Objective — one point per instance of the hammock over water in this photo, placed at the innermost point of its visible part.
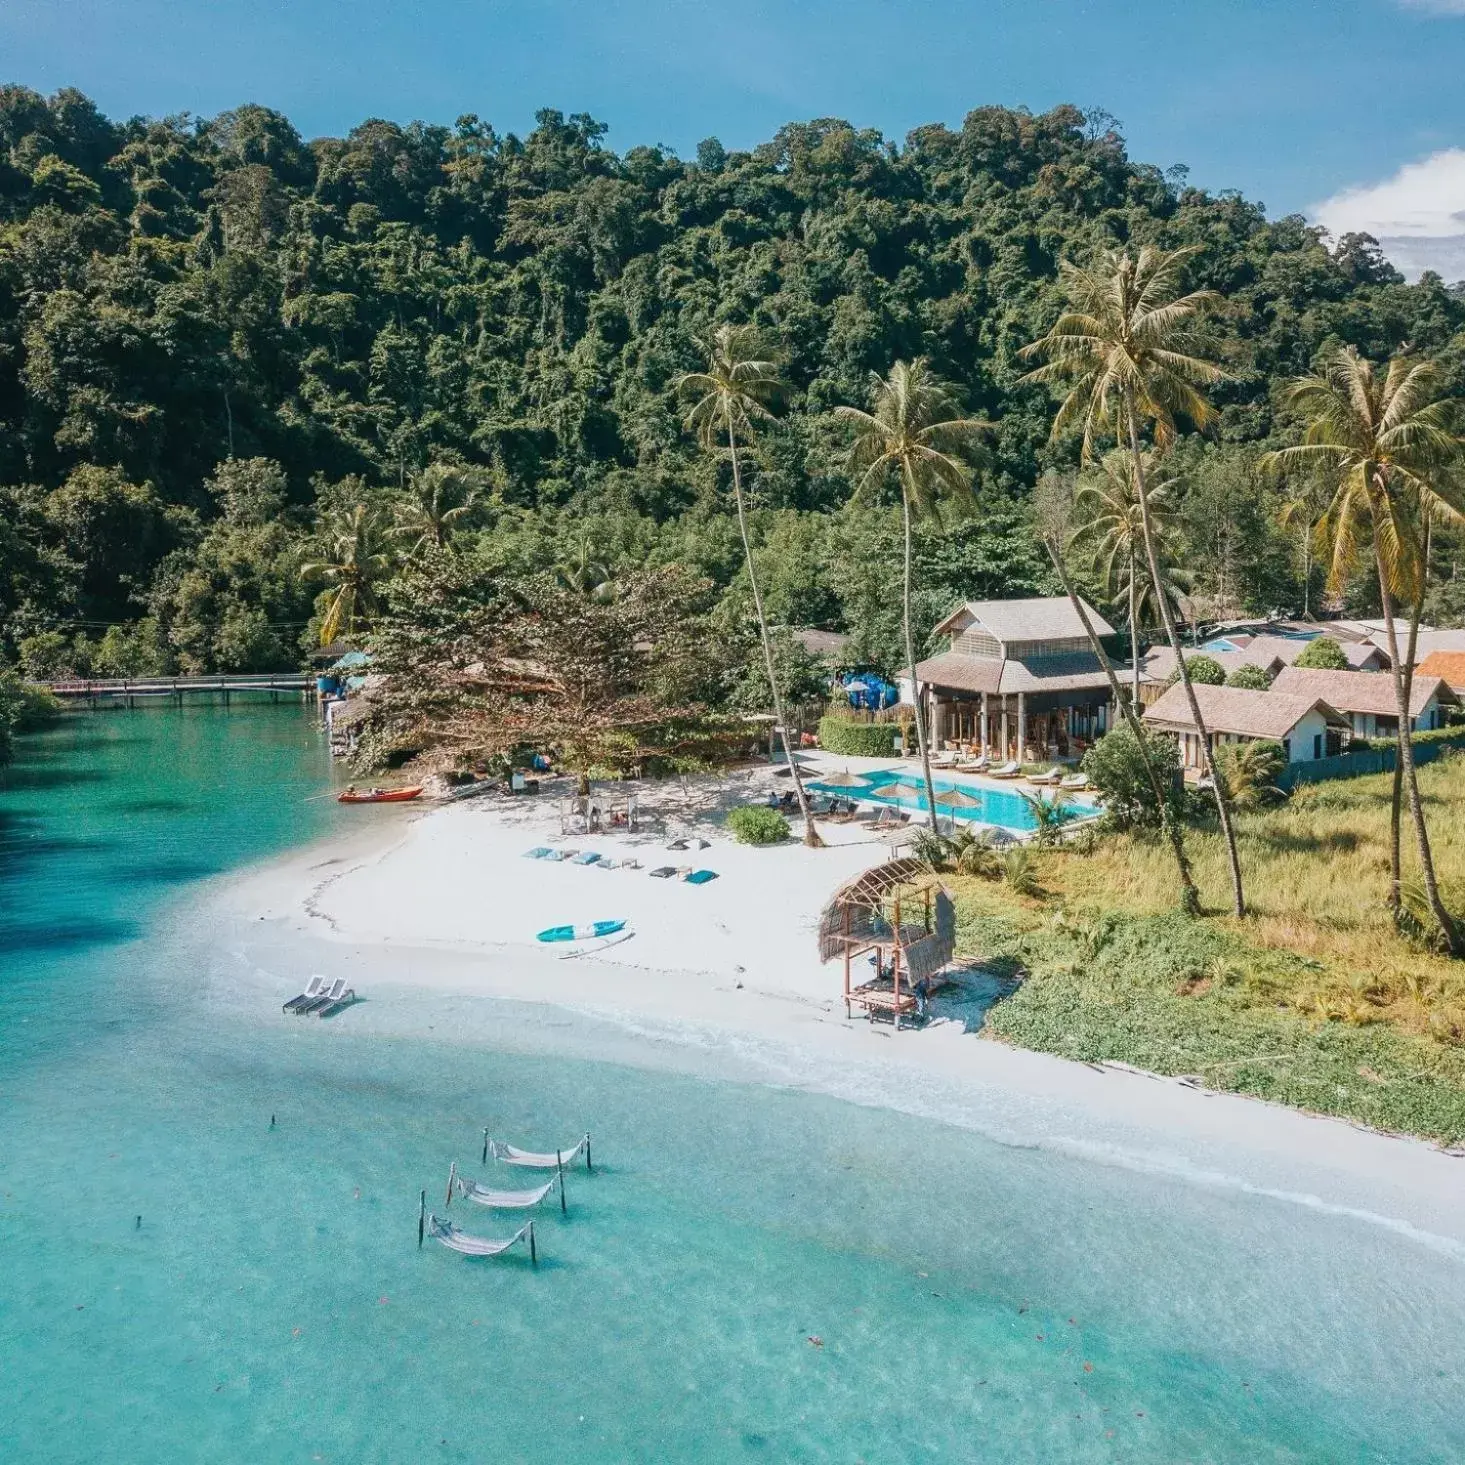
(503, 1200)
(534, 1160)
(460, 1241)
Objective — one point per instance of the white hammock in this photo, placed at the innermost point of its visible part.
(533, 1160)
(503, 1200)
(456, 1240)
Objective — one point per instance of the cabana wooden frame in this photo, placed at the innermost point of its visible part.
(874, 913)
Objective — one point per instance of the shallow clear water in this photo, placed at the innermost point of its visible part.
(1001, 807)
(971, 1300)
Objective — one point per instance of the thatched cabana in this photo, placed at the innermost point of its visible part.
(901, 913)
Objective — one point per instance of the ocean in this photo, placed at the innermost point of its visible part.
(208, 1211)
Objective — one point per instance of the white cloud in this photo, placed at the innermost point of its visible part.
(1436, 7)
(1418, 215)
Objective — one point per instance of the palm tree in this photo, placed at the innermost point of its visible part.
(1053, 508)
(1112, 525)
(586, 575)
(354, 561)
(1391, 449)
(914, 433)
(1125, 349)
(442, 498)
(736, 391)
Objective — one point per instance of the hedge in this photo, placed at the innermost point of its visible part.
(754, 824)
(1448, 737)
(857, 739)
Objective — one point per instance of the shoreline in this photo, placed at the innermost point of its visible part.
(432, 915)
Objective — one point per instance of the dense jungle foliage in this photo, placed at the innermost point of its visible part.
(218, 340)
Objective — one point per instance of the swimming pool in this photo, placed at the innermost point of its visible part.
(1003, 807)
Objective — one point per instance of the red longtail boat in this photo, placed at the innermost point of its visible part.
(380, 795)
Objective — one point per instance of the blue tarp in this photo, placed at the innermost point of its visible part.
(868, 692)
(351, 661)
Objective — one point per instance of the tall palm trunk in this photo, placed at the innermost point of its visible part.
(1189, 895)
(1396, 863)
(811, 833)
(1133, 623)
(910, 662)
(1223, 804)
(1406, 760)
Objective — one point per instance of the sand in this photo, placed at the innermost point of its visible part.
(443, 904)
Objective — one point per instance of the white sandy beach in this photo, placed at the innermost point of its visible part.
(443, 904)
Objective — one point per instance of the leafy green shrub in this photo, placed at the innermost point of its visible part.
(1116, 768)
(1018, 871)
(1250, 678)
(1204, 670)
(968, 852)
(21, 707)
(757, 825)
(1447, 737)
(852, 739)
(1249, 771)
(1324, 654)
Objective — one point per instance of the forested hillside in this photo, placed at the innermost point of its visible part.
(214, 333)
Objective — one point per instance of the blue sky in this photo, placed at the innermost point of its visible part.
(1308, 105)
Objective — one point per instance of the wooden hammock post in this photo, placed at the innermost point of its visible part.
(845, 916)
(421, 1219)
(895, 968)
(533, 1255)
(452, 1176)
(485, 1144)
(560, 1166)
(588, 1165)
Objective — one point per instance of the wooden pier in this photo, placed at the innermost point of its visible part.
(129, 691)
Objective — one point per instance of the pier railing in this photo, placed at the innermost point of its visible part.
(128, 688)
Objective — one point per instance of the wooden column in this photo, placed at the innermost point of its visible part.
(985, 738)
(1005, 744)
(1022, 728)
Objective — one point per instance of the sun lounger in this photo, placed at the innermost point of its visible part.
(559, 856)
(699, 877)
(334, 1003)
(1046, 780)
(663, 872)
(314, 988)
(539, 852)
(978, 765)
(1008, 770)
(335, 993)
(588, 858)
(630, 864)
(607, 864)
(1075, 781)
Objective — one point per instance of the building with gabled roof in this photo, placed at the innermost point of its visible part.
(1018, 679)
(1307, 727)
(1368, 699)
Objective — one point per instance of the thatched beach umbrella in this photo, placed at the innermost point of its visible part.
(954, 798)
(845, 780)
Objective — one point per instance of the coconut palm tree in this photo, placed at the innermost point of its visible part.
(737, 391)
(1053, 516)
(442, 497)
(914, 434)
(586, 575)
(354, 561)
(1389, 445)
(1126, 351)
(1111, 526)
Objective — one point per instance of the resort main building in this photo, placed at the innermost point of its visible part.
(1018, 681)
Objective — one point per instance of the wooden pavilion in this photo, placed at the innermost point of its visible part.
(900, 913)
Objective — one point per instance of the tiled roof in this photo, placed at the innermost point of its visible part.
(1076, 671)
(1447, 664)
(1040, 618)
(1361, 691)
(1236, 710)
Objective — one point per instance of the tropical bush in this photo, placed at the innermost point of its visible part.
(1324, 654)
(1251, 678)
(852, 739)
(1019, 872)
(1116, 768)
(1250, 771)
(1204, 670)
(21, 707)
(757, 825)
(966, 852)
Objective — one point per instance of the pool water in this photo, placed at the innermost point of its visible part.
(1005, 808)
(752, 1273)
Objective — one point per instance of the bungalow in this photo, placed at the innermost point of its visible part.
(1270, 653)
(1306, 727)
(1367, 699)
(1018, 679)
(1447, 664)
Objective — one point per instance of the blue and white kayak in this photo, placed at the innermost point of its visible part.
(582, 933)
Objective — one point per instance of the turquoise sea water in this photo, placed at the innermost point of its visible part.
(971, 1300)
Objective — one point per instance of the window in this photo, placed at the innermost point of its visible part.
(1286, 750)
(1317, 745)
